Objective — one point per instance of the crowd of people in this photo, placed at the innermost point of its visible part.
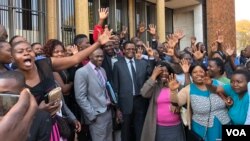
(151, 86)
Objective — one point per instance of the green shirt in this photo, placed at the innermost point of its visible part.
(224, 80)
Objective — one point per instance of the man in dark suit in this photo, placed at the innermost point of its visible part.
(110, 57)
(129, 76)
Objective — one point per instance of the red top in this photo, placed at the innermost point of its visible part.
(97, 30)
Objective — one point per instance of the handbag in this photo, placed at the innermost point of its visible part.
(183, 113)
(192, 136)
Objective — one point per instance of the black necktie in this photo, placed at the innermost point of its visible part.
(133, 75)
(133, 70)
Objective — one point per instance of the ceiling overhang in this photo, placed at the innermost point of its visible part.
(175, 4)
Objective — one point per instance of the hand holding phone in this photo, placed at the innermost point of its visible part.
(7, 101)
(19, 118)
(51, 107)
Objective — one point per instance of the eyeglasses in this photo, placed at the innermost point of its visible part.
(139, 46)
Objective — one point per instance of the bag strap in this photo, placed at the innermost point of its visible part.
(208, 116)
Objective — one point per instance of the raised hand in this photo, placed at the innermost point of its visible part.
(152, 29)
(124, 32)
(228, 49)
(193, 40)
(105, 37)
(179, 33)
(214, 47)
(173, 84)
(103, 13)
(74, 49)
(175, 39)
(220, 37)
(149, 50)
(156, 72)
(138, 54)
(169, 50)
(198, 55)
(142, 27)
(185, 65)
(172, 40)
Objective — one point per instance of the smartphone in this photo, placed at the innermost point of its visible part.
(55, 94)
(7, 101)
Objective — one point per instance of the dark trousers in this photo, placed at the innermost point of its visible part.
(133, 123)
(84, 135)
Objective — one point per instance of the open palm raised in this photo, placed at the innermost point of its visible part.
(173, 84)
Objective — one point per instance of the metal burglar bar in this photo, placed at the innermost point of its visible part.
(4, 14)
(68, 21)
(25, 18)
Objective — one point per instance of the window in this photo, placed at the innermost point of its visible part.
(68, 21)
(24, 17)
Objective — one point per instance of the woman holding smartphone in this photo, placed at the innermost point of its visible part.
(55, 48)
(39, 74)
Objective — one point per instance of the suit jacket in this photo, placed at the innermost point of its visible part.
(89, 93)
(123, 85)
(107, 66)
(41, 127)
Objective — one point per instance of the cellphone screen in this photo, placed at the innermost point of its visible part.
(7, 101)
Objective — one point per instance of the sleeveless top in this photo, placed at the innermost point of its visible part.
(206, 104)
(47, 82)
(65, 76)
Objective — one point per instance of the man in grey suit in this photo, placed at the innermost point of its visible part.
(91, 96)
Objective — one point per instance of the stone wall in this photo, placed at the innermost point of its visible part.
(221, 14)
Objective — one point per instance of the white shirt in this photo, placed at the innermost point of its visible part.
(130, 71)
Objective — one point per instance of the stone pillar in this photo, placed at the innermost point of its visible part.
(221, 14)
(131, 15)
(160, 12)
(82, 17)
(51, 19)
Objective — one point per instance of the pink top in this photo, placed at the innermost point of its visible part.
(164, 116)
